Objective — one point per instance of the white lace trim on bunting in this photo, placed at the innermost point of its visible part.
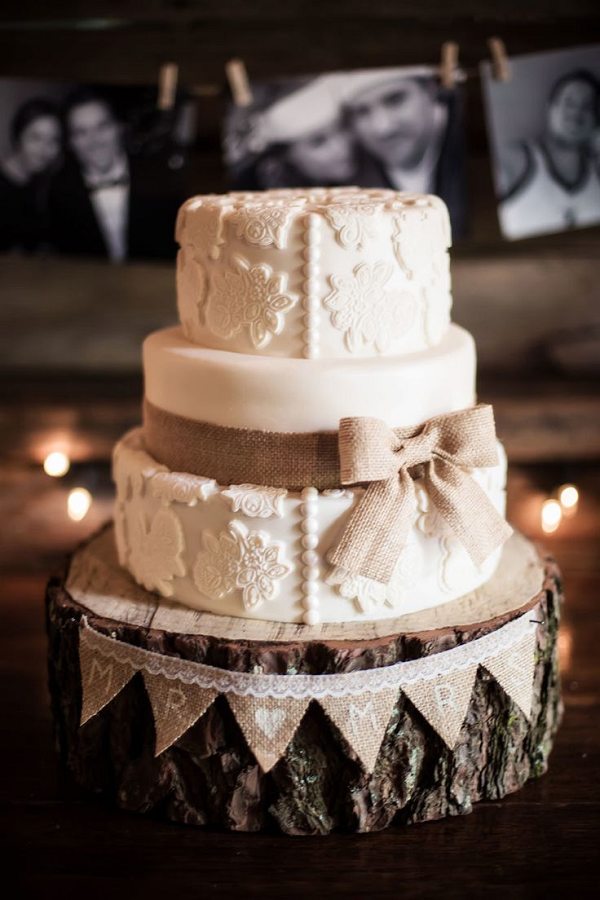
(476, 652)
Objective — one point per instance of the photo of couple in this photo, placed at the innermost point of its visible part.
(89, 171)
(392, 127)
(544, 127)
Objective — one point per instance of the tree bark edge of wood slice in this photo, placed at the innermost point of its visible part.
(209, 777)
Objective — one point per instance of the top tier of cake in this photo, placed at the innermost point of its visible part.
(314, 272)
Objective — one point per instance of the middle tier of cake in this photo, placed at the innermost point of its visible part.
(296, 395)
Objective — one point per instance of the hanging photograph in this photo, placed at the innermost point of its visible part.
(544, 129)
(91, 170)
(393, 127)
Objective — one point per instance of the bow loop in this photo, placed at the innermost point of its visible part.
(367, 449)
(444, 448)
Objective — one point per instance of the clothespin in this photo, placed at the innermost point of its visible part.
(448, 64)
(167, 86)
(237, 76)
(500, 64)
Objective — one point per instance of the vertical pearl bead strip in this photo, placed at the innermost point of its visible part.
(309, 526)
(310, 270)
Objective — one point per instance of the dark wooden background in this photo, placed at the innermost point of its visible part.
(520, 300)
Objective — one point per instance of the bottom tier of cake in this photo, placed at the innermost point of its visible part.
(249, 725)
(262, 552)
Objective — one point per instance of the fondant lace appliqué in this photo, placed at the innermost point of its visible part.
(251, 297)
(191, 290)
(255, 501)
(351, 222)
(368, 594)
(419, 246)
(155, 552)
(263, 225)
(239, 559)
(365, 311)
(181, 487)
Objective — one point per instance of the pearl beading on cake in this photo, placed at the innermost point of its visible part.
(309, 526)
(311, 267)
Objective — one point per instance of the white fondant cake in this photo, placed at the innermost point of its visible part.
(299, 309)
(314, 273)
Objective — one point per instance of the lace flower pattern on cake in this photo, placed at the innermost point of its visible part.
(155, 555)
(200, 223)
(263, 225)
(239, 559)
(365, 311)
(255, 500)
(350, 221)
(249, 296)
(181, 487)
(419, 248)
(132, 468)
(452, 554)
(191, 287)
(368, 594)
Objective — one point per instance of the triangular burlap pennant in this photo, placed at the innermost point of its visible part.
(101, 678)
(444, 701)
(268, 724)
(362, 720)
(514, 669)
(175, 707)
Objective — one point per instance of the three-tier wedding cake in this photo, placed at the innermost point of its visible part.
(309, 612)
(301, 310)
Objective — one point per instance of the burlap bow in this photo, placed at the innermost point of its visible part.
(437, 453)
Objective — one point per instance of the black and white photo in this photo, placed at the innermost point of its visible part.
(90, 170)
(544, 125)
(391, 127)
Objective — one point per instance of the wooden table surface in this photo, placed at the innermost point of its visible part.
(541, 842)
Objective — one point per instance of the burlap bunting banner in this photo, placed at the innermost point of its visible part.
(444, 701)
(513, 669)
(102, 678)
(363, 721)
(268, 724)
(269, 708)
(175, 707)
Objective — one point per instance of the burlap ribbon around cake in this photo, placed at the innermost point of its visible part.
(366, 452)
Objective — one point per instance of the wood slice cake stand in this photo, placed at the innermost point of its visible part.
(209, 776)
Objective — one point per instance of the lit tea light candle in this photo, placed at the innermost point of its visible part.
(78, 504)
(57, 464)
(551, 515)
(568, 497)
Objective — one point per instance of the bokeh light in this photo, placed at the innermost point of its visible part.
(551, 515)
(78, 503)
(56, 464)
(568, 497)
